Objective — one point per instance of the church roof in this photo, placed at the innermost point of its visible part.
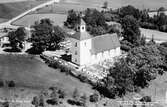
(81, 35)
(104, 42)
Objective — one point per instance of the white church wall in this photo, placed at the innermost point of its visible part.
(118, 51)
(85, 53)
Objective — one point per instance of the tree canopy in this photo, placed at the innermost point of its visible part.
(17, 38)
(130, 27)
(46, 36)
(141, 65)
(129, 10)
(73, 19)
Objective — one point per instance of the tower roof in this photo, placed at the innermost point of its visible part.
(82, 22)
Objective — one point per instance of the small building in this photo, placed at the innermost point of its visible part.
(4, 39)
(87, 49)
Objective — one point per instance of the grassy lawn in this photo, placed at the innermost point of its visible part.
(29, 72)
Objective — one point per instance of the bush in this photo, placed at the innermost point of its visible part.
(62, 93)
(73, 102)
(53, 101)
(146, 99)
(126, 46)
(11, 84)
(1, 83)
(94, 97)
(148, 25)
(83, 78)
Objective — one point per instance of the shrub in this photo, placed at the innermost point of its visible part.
(126, 46)
(35, 101)
(1, 83)
(53, 101)
(83, 78)
(146, 99)
(148, 25)
(62, 93)
(73, 102)
(94, 97)
(5, 104)
(11, 84)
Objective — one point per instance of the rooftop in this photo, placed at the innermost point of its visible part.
(104, 42)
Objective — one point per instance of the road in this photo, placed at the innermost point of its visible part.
(8, 24)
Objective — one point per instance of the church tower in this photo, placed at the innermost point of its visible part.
(81, 45)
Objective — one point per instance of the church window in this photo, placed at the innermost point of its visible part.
(83, 28)
(85, 43)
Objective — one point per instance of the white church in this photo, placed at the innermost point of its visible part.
(89, 50)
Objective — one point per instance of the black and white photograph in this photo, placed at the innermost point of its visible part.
(83, 53)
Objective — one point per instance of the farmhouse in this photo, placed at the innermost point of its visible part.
(88, 50)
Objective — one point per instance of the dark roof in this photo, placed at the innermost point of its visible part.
(81, 35)
(104, 42)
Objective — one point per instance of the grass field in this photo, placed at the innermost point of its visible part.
(29, 72)
(28, 20)
(10, 10)
(157, 35)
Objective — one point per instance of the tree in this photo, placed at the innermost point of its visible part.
(45, 36)
(41, 101)
(95, 21)
(148, 61)
(121, 79)
(35, 101)
(131, 31)
(17, 38)
(160, 10)
(141, 65)
(129, 10)
(94, 18)
(162, 20)
(72, 19)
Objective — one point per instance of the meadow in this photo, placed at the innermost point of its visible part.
(29, 71)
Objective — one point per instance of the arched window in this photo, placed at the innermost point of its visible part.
(76, 44)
